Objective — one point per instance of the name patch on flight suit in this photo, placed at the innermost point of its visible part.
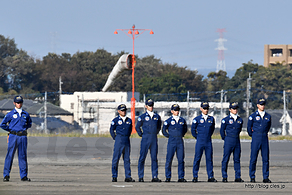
(239, 122)
(127, 122)
(155, 118)
(181, 123)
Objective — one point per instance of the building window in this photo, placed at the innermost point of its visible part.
(168, 113)
(290, 52)
(72, 105)
(183, 113)
(277, 52)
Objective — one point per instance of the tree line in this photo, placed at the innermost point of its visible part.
(88, 71)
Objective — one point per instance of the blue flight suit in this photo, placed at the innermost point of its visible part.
(229, 131)
(15, 123)
(258, 128)
(150, 129)
(120, 132)
(203, 130)
(175, 132)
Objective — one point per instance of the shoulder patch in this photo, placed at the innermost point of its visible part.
(223, 121)
(250, 118)
(165, 123)
(112, 123)
(139, 119)
(194, 121)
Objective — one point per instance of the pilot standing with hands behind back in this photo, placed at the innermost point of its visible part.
(150, 123)
(230, 129)
(203, 127)
(258, 126)
(120, 130)
(16, 122)
(174, 128)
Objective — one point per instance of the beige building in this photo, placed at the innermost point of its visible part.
(277, 53)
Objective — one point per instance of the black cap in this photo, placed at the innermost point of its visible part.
(262, 101)
(175, 107)
(18, 99)
(149, 102)
(205, 105)
(233, 105)
(122, 107)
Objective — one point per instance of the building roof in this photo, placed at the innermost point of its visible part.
(33, 107)
(7, 104)
(276, 116)
(55, 124)
(37, 109)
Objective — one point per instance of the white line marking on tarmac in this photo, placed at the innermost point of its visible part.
(122, 186)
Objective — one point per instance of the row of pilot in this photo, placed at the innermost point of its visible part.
(202, 128)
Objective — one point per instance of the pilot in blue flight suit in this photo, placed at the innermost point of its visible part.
(120, 130)
(203, 127)
(16, 122)
(258, 126)
(150, 123)
(174, 128)
(230, 129)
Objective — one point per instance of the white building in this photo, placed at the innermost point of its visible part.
(95, 110)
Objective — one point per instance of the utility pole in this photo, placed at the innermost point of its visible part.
(248, 87)
(82, 116)
(188, 108)
(97, 116)
(285, 114)
(45, 119)
(60, 89)
(144, 100)
(221, 102)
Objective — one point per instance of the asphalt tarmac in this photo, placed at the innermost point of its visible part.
(67, 165)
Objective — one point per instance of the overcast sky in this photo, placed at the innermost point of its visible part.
(184, 30)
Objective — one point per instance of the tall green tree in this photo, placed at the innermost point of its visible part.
(217, 80)
(21, 70)
(8, 48)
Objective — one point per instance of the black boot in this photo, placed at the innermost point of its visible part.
(6, 178)
(25, 179)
